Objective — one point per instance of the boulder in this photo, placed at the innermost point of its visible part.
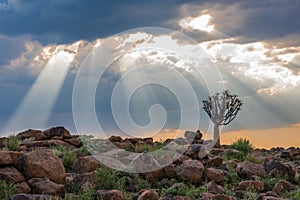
(215, 175)
(15, 156)
(115, 139)
(45, 143)
(191, 170)
(109, 195)
(57, 132)
(148, 141)
(42, 164)
(276, 168)
(251, 185)
(206, 196)
(46, 186)
(5, 158)
(148, 195)
(85, 164)
(28, 134)
(144, 162)
(11, 175)
(34, 197)
(283, 186)
(82, 181)
(23, 188)
(154, 176)
(215, 161)
(248, 169)
(74, 141)
(213, 188)
(170, 170)
(165, 160)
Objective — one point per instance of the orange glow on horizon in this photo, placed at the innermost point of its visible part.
(260, 138)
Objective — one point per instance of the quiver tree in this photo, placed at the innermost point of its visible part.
(221, 108)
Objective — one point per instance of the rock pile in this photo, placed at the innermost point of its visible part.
(37, 173)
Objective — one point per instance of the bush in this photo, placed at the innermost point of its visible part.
(6, 191)
(12, 143)
(69, 157)
(242, 145)
(107, 179)
(183, 189)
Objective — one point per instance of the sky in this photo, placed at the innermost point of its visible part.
(251, 48)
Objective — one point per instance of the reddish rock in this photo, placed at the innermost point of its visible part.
(283, 186)
(248, 169)
(165, 160)
(276, 168)
(206, 196)
(181, 159)
(11, 175)
(251, 185)
(216, 161)
(170, 170)
(148, 141)
(215, 175)
(45, 186)
(34, 197)
(86, 164)
(148, 195)
(213, 188)
(15, 156)
(154, 176)
(40, 136)
(82, 181)
(109, 195)
(5, 158)
(145, 163)
(115, 139)
(191, 170)
(74, 141)
(42, 164)
(57, 131)
(23, 188)
(45, 143)
(28, 134)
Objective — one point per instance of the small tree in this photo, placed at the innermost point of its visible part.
(221, 108)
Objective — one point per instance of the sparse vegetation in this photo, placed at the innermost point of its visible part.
(183, 189)
(67, 155)
(243, 145)
(107, 179)
(12, 143)
(6, 190)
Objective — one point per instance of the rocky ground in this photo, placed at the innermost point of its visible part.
(53, 164)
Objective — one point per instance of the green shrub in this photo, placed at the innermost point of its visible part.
(270, 182)
(69, 157)
(243, 145)
(183, 189)
(12, 143)
(253, 159)
(143, 148)
(6, 191)
(107, 179)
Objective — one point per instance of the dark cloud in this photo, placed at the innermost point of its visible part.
(11, 48)
(66, 21)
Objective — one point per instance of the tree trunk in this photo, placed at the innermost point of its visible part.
(216, 134)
